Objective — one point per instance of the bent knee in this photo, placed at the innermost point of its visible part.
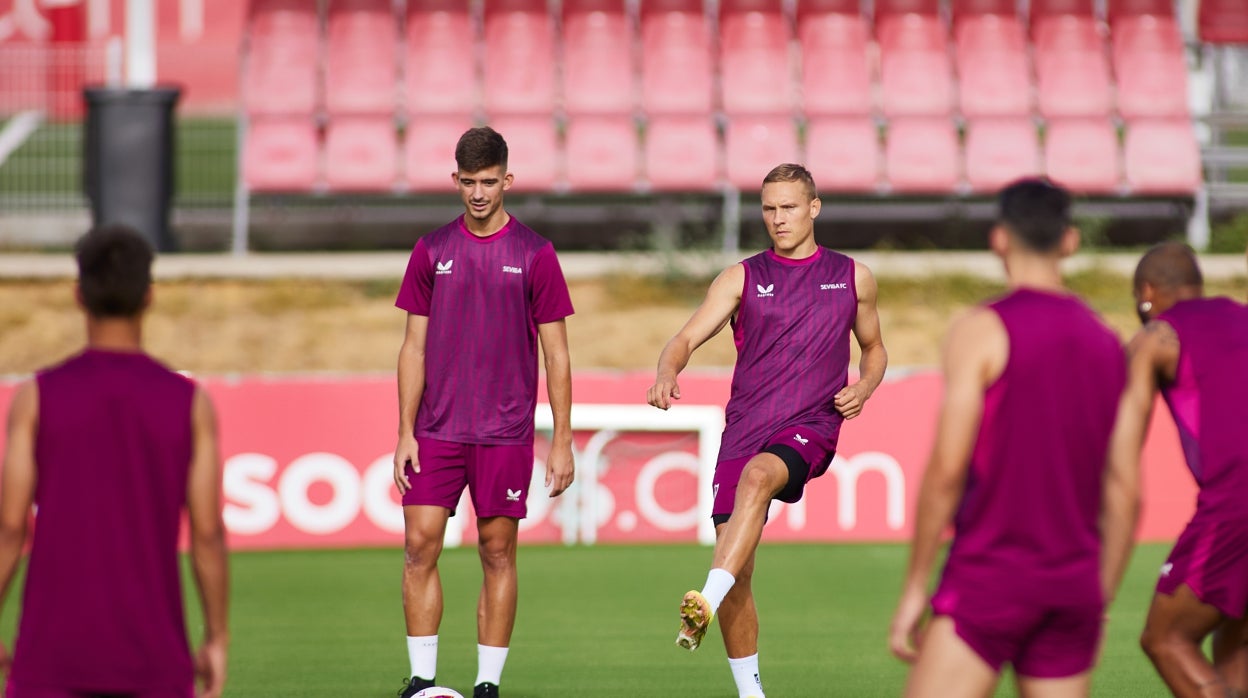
(497, 556)
(421, 551)
(762, 480)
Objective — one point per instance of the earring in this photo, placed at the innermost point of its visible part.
(1146, 306)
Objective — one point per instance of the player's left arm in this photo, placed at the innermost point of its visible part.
(560, 470)
(209, 559)
(17, 488)
(974, 355)
(851, 399)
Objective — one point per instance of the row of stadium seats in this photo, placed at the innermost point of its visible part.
(917, 155)
(906, 60)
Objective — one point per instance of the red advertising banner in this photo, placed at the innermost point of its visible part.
(308, 463)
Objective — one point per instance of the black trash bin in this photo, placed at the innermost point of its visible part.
(128, 174)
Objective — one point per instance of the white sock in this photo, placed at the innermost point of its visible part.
(745, 673)
(422, 652)
(718, 584)
(490, 662)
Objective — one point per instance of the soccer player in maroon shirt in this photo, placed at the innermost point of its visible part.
(480, 293)
(1194, 351)
(792, 309)
(1032, 385)
(113, 447)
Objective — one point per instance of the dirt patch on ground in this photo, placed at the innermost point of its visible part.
(213, 327)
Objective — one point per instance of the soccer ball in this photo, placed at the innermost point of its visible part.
(438, 692)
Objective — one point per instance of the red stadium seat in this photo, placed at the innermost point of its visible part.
(1152, 83)
(682, 153)
(597, 61)
(1223, 21)
(991, 54)
(1140, 33)
(921, 155)
(676, 72)
(361, 154)
(823, 7)
(281, 68)
(429, 151)
(1054, 8)
(602, 153)
(999, 151)
(1162, 157)
(440, 78)
(519, 58)
(893, 8)
(965, 9)
(836, 74)
(755, 72)
(1122, 9)
(533, 151)
(843, 154)
(1071, 71)
(755, 144)
(914, 66)
(361, 76)
(280, 154)
(1082, 155)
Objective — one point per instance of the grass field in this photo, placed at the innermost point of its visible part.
(600, 622)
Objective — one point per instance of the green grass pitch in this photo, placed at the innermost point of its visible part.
(599, 621)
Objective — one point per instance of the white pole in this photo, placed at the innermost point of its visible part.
(140, 44)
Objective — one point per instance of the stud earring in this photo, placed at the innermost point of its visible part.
(1146, 306)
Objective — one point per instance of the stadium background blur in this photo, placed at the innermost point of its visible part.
(639, 131)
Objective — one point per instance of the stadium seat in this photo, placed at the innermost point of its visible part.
(429, 150)
(1162, 157)
(682, 154)
(1223, 21)
(1082, 155)
(965, 9)
(999, 151)
(1152, 84)
(836, 72)
(533, 151)
(280, 154)
(995, 79)
(894, 8)
(602, 153)
(1056, 8)
(921, 155)
(755, 71)
(281, 68)
(1140, 33)
(914, 66)
(1072, 75)
(843, 154)
(361, 75)
(1120, 9)
(598, 75)
(823, 7)
(676, 72)
(755, 144)
(519, 58)
(361, 154)
(439, 79)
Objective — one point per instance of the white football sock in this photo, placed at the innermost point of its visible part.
(490, 662)
(745, 673)
(422, 652)
(718, 583)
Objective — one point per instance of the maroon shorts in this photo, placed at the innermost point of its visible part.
(16, 690)
(1211, 558)
(1040, 641)
(805, 452)
(497, 477)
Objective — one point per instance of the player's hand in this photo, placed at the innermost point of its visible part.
(663, 392)
(560, 469)
(903, 635)
(850, 399)
(406, 452)
(210, 668)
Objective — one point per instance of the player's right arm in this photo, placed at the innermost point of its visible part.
(722, 300)
(17, 488)
(411, 388)
(209, 558)
(974, 355)
(1154, 351)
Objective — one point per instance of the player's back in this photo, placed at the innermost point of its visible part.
(102, 609)
(1029, 516)
(1209, 398)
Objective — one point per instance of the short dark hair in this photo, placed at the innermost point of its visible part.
(480, 148)
(792, 172)
(1169, 265)
(1035, 210)
(114, 270)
